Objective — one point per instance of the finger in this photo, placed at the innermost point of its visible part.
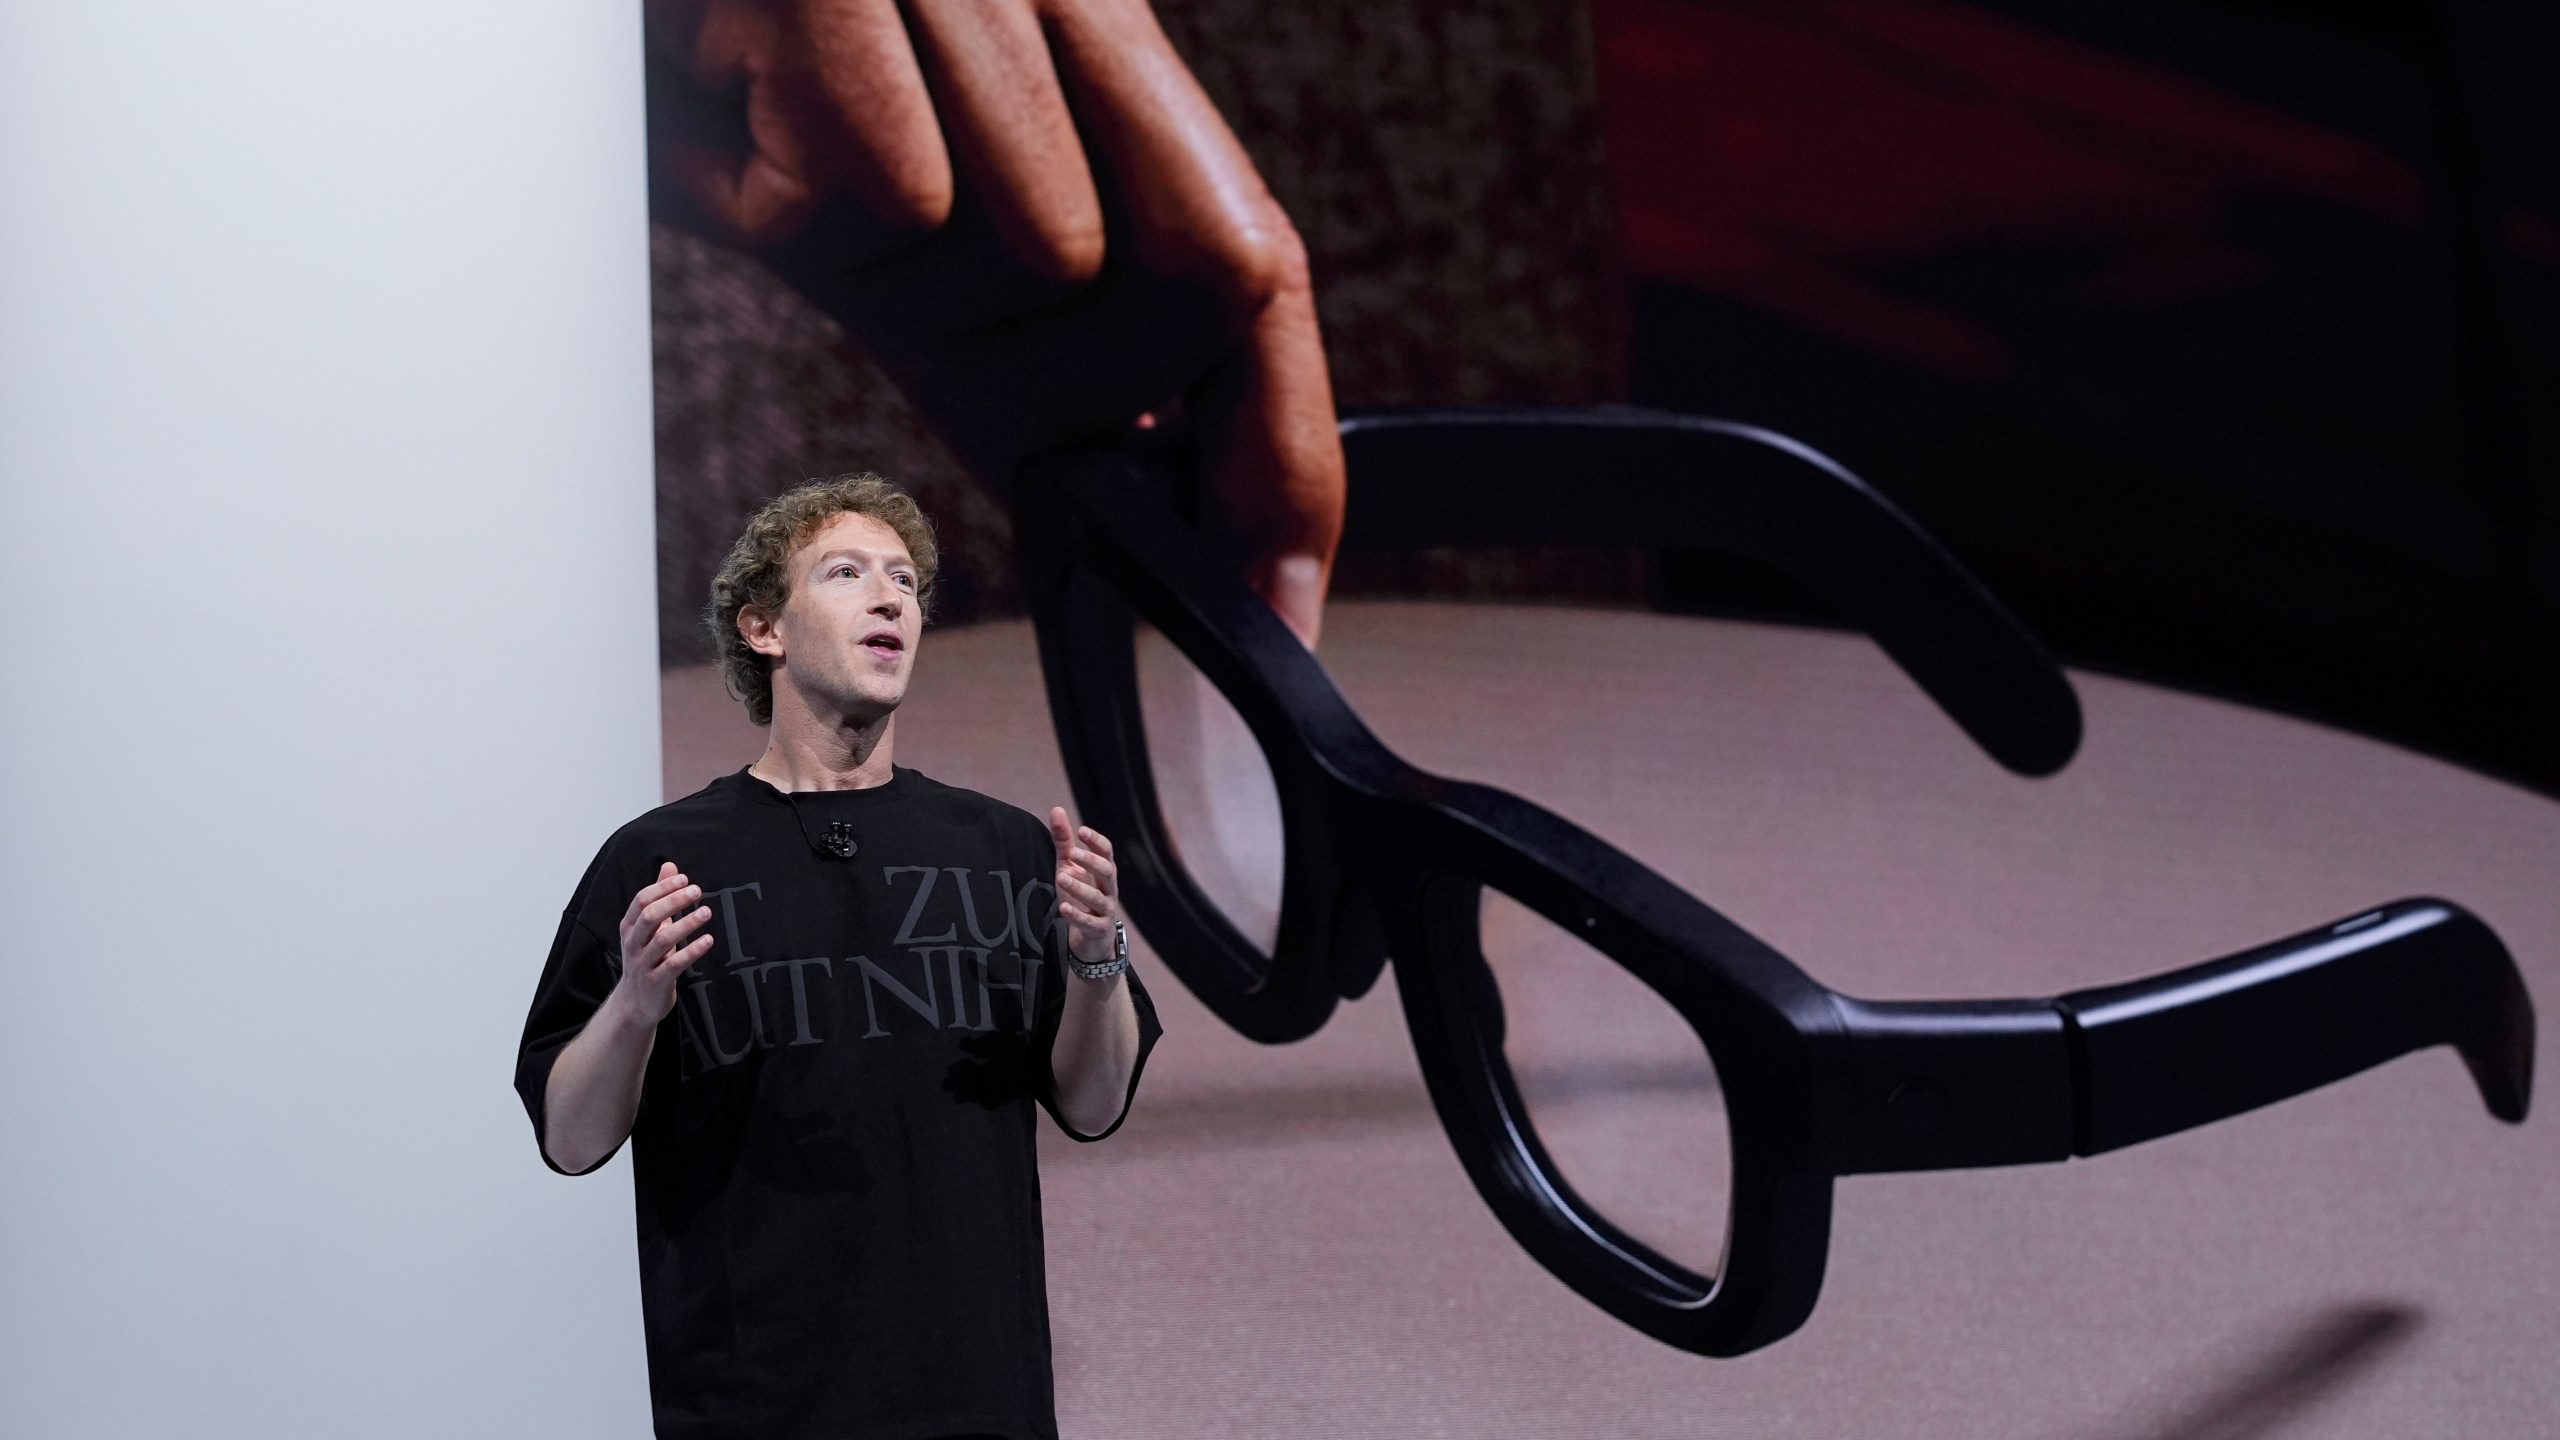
(1209, 250)
(671, 900)
(871, 106)
(1194, 202)
(680, 960)
(676, 928)
(1097, 868)
(642, 897)
(1013, 144)
(835, 103)
(665, 905)
(1069, 880)
(1084, 896)
(1273, 453)
(755, 184)
(1061, 833)
(669, 933)
(1101, 874)
(1094, 840)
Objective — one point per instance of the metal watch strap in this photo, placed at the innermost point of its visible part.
(1118, 962)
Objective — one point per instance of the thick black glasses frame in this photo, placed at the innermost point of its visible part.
(1383, 859)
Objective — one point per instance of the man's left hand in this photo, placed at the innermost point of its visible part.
(1088, 888)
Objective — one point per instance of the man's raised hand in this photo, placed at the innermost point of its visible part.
(655, 950)
(1088, 888)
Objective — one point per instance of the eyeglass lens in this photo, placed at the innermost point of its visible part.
(1618, 1087)
(1221, 809)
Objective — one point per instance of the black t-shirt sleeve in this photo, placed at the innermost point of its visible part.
(582, 969)
(1053, 1006)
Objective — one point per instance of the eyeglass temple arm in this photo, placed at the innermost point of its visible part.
(1627, 477)
(1944, 1085)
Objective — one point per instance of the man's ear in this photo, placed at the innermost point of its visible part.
(761, 631)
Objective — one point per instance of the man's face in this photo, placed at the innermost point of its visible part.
(846, 637)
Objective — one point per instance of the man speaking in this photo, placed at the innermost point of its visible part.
(821, 996)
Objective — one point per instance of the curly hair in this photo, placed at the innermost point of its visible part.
(758, 570)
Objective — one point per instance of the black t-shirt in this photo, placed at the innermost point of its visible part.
(839, 1207)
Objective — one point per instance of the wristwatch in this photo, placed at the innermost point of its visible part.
(1118, 962)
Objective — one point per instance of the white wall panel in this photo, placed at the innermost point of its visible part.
(326, 660)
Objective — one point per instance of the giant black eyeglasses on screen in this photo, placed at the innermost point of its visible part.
(1382, 862)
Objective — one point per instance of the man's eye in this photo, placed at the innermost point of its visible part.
(907, 580)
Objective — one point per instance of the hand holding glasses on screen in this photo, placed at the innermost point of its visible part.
(1679, 1174)
(1032, 216)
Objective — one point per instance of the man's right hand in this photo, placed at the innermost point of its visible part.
(655, 949)
(594, 1091)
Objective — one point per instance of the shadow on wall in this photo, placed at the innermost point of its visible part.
(2290, 1376)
